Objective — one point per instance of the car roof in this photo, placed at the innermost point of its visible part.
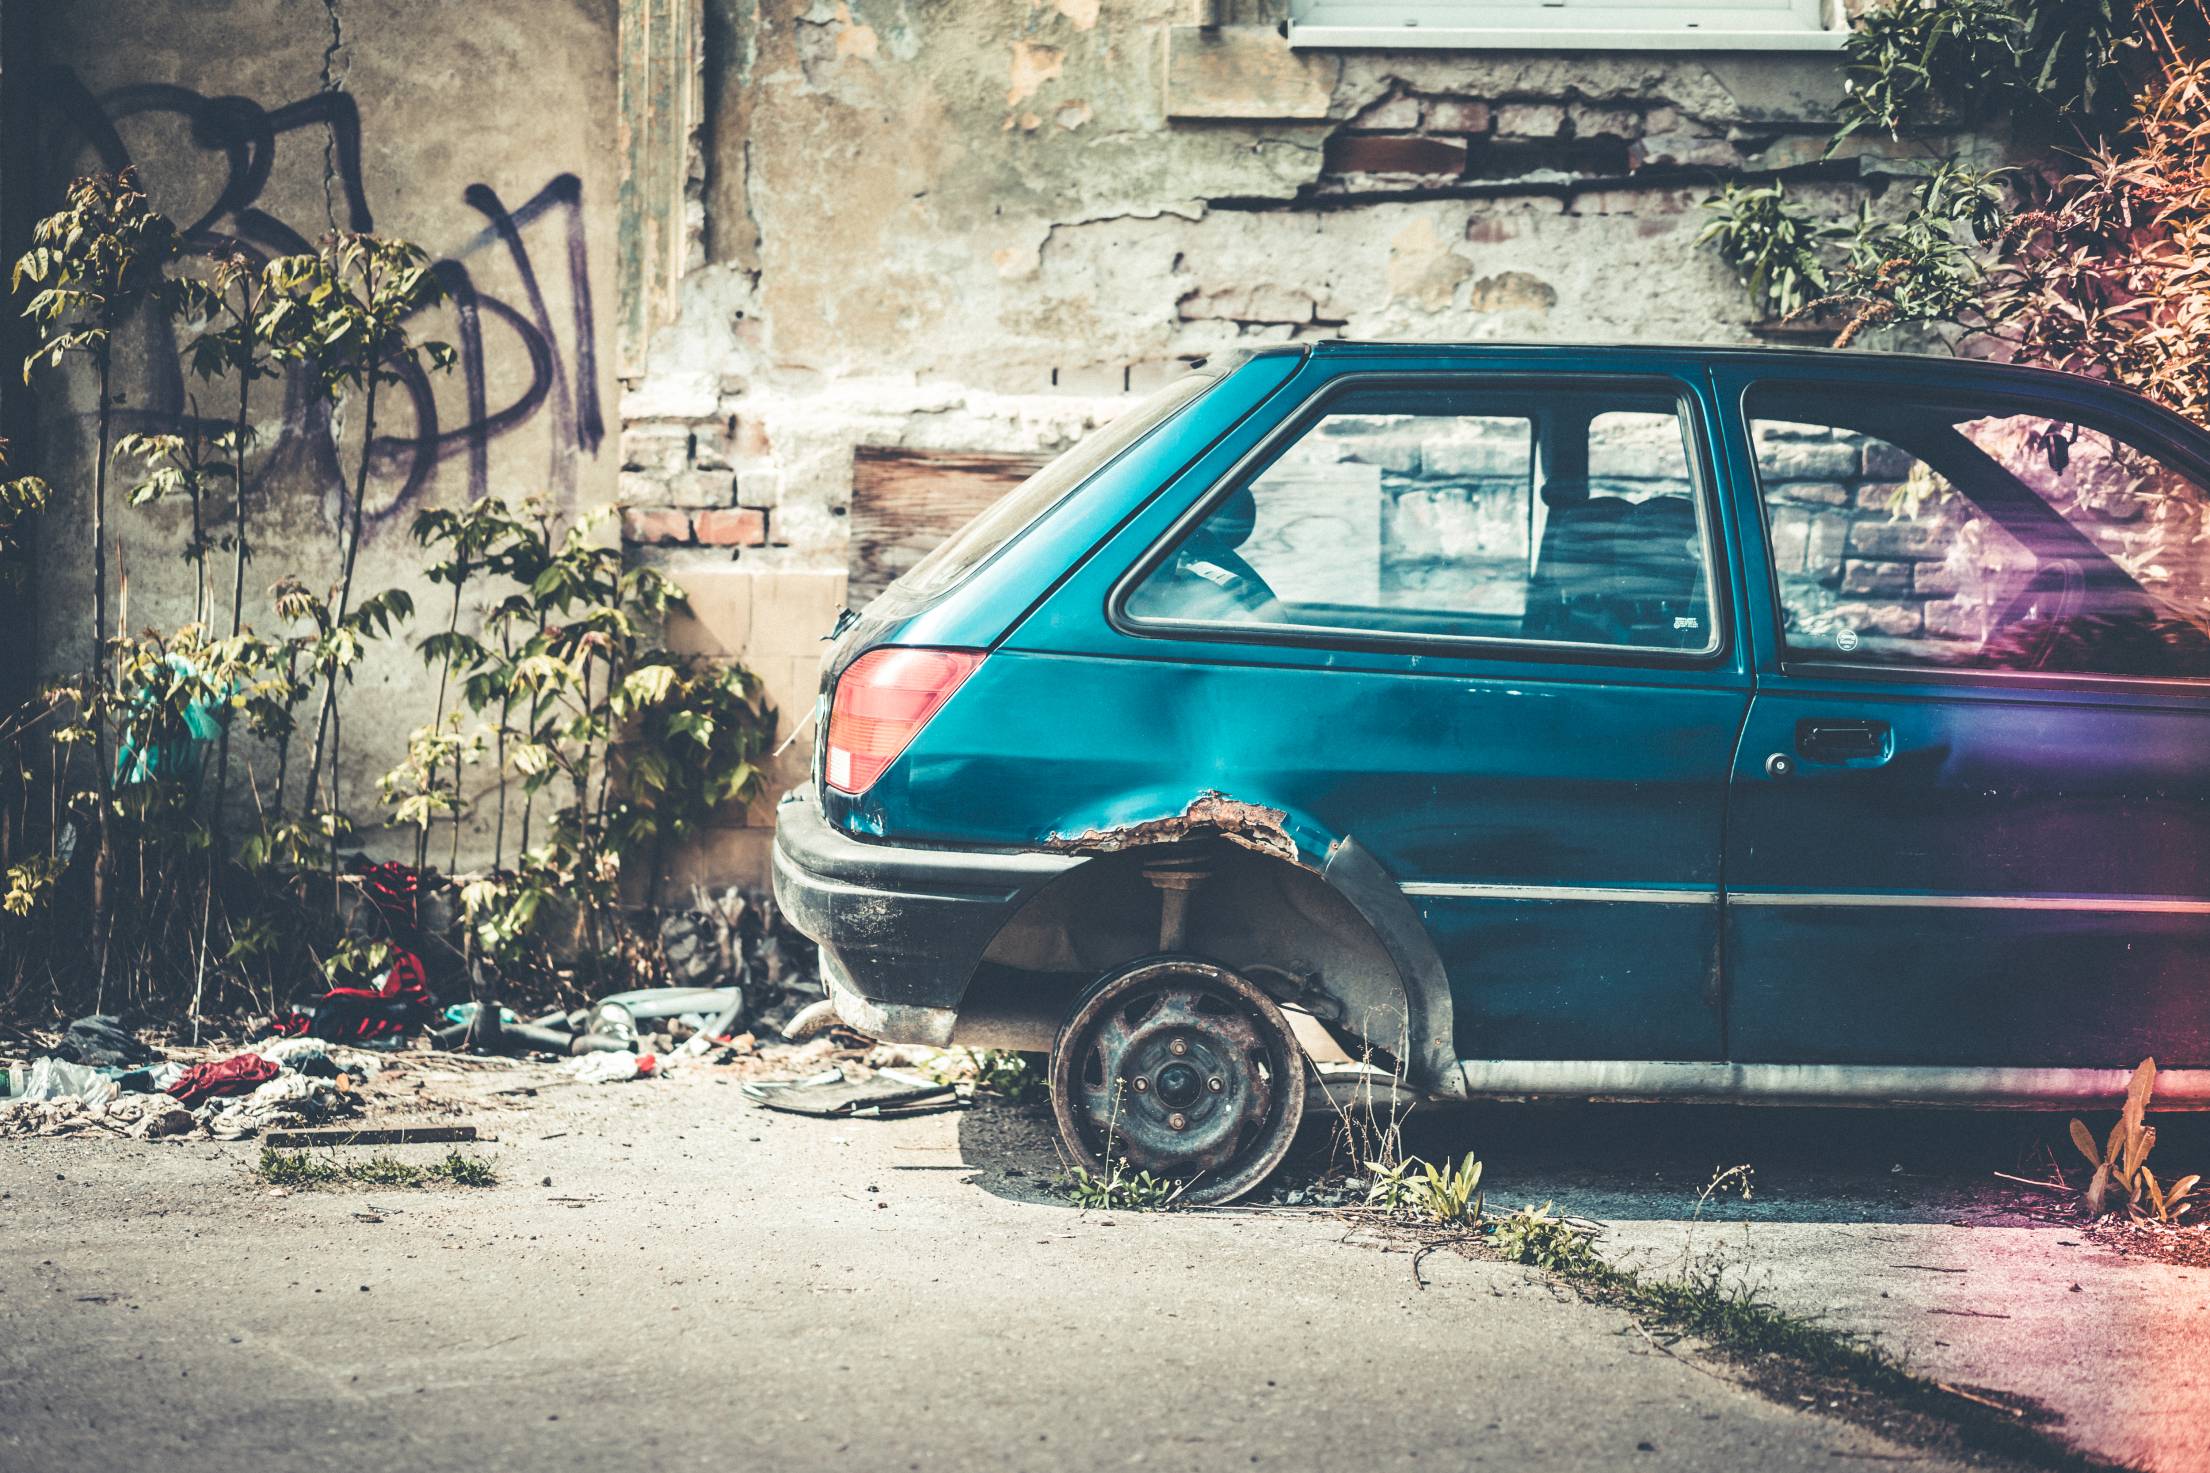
(1850, 361)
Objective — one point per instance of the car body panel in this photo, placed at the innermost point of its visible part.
(1588, 841)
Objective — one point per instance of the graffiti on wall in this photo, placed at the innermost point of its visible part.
(236, 140)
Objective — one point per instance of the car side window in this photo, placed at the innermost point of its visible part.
(1979, 536)
(1534, 516)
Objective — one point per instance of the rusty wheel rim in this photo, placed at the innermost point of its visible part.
(1183, 1069)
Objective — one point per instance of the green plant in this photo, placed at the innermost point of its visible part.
(20, 497)
(343, 313)
(1118, 1189)
(1445, 1196)
(627, 745)
(1912, 58)
(93, 263)
(1773, 244)
(1536, 1236)
(2121, 1162)
(299, 1169)
(1001, 1072)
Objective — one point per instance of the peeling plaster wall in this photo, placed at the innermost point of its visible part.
(473, 119)
(977, 227)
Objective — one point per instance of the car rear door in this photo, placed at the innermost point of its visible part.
(1970, 815)
(1469, 613)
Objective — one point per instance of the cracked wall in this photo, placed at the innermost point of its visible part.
(977, 228)
(479, 131)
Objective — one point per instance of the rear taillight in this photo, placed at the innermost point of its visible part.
(882, 701)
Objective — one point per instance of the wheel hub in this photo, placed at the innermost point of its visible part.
(1181, 1068)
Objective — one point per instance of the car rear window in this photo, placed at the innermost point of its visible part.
(967, 549)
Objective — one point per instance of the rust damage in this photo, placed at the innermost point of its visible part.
(1211, 814)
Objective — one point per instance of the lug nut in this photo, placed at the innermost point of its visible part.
(1176, 1121)
(1179, 1046)
(1215, 1085)
(1140, 1084)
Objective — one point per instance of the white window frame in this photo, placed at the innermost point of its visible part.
(1570, 25)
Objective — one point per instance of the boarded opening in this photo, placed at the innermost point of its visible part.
(904, 502)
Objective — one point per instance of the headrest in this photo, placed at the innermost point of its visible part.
(1234, 519)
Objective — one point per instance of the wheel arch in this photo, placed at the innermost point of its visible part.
(1314, 919)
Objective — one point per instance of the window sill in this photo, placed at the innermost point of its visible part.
(1471, 38)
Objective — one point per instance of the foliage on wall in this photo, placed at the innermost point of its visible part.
(2090, 258)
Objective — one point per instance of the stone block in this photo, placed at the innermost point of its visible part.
(717, 617)
(1861, 578)
(791, 611)
(1812, 493)
(700, 488)
(1595, 120)
(1806, 460)
(1390, 115)
(1885, 462)
(1927, 538)
(661, 449)
(1894, 619)
(1246, 72)
(1457, 115)
(1523, 120)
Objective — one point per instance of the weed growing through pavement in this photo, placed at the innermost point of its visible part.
(1015, 1077)
(1118, 1188)
(309, 1169)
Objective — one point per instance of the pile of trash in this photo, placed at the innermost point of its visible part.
(100, 1076)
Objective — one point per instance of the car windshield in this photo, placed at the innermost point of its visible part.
(1004, 519)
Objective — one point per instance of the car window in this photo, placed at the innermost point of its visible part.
(967, 549)
(1552, 517)
(1979, 537)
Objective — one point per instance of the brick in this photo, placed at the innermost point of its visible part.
(1373, 153)
(663, 449)
(655, 524)
(1592, 120)
(1457, 115)
(736, 526)
(1529, 120)
(700, 488)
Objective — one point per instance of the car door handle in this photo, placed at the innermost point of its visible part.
(1833, 739)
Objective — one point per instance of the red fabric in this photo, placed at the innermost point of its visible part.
(407, 981)
(395, 890)
(232, 1076)
(398, 1002)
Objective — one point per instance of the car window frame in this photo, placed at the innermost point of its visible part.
(1703, 476)
(2119, 419)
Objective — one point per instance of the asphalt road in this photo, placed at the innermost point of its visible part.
(666, 1277)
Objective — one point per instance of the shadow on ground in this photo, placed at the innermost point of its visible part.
(1652, 1162)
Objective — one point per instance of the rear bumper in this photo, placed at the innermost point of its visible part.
(901, 929)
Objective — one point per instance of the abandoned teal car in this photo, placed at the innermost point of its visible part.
(1633, 723)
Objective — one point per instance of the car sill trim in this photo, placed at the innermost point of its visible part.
(1977, 1086)
(1606, 894)
(1855, 899)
